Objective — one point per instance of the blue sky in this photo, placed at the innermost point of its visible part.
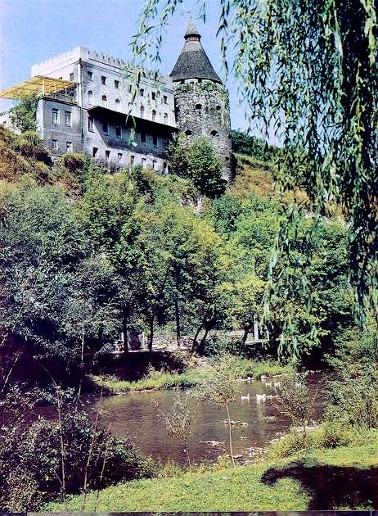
(34, 30)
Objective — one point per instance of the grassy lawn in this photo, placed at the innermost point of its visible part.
(340, 478)
(189, 378)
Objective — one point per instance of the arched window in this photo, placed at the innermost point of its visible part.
(90, 97)
(153, 115)
(165, 118)
(141, 111)
(104, 99)
(117, 103)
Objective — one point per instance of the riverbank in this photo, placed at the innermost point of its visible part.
(344, 477)
(190, 377)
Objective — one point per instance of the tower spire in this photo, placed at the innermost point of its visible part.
(193, 62)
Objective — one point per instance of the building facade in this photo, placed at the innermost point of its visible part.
(89, 103)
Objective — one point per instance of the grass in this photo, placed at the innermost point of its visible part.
(192, 377)
(236, 489)
(233, 489)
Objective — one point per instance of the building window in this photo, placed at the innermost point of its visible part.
(165, 99)
(117, 103)
(107, 155)
(90, 124)
(116, 84)
(153, 95)
(103, 79)
(120, 157)
(165, 118)
(90, 76)
(188, 132)
(214, 133)
(143, 137)
(55, 116)
(69, 147)
(153, 115)
(141, 92)
(132, 160)
(104, 99)
(72, 76)
(144, 162)
(67, 118)
(154, 139)
(141, 112)
(94, 152)
(105, 127)
(199, 81)
(90, 97)
(218, 108)
(130, 88)
(118, 131)
(199, 106)
(154, 164)
(55, 145)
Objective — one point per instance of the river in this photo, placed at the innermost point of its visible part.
(136, 415)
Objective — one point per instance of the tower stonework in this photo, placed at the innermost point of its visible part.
(201, 100)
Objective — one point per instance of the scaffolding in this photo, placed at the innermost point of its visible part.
(44, 87)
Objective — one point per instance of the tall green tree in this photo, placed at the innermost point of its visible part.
(308, 72)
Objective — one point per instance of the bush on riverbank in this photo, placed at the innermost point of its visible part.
(41, 460)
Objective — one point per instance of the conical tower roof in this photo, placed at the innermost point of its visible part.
(193, 62)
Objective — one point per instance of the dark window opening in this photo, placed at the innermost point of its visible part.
(107, 155)
(218, 107)
(214, 133)
(94, 152)
(199, 81)
(153, 95)
(154, 139)
(188, 132)
(116, 84)
(103, 79)
(198, 106)
(118, 131)
(105, 127)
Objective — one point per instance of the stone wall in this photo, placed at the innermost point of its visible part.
(202, 109)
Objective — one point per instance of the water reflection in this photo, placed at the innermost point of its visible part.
(136, 415)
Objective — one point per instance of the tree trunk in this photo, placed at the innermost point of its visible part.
(125, 329)
(151, 336)
(230, 435)
(195, 343)
(245, 337)
(178, 328)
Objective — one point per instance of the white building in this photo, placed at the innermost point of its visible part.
(89, 104)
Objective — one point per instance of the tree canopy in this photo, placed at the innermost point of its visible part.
(307, 71)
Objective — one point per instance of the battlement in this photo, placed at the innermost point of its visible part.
(73, 56)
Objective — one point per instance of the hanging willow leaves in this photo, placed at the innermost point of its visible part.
(308, 70)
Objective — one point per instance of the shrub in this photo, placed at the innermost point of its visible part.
(41, 459)
(354, 395)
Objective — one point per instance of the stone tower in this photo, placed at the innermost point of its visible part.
(201, 100)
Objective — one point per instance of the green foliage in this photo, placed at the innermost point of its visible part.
(42, 460)
(307, 72)
(243, 143)
(354, 395)
(198, 162)
(23, 115)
